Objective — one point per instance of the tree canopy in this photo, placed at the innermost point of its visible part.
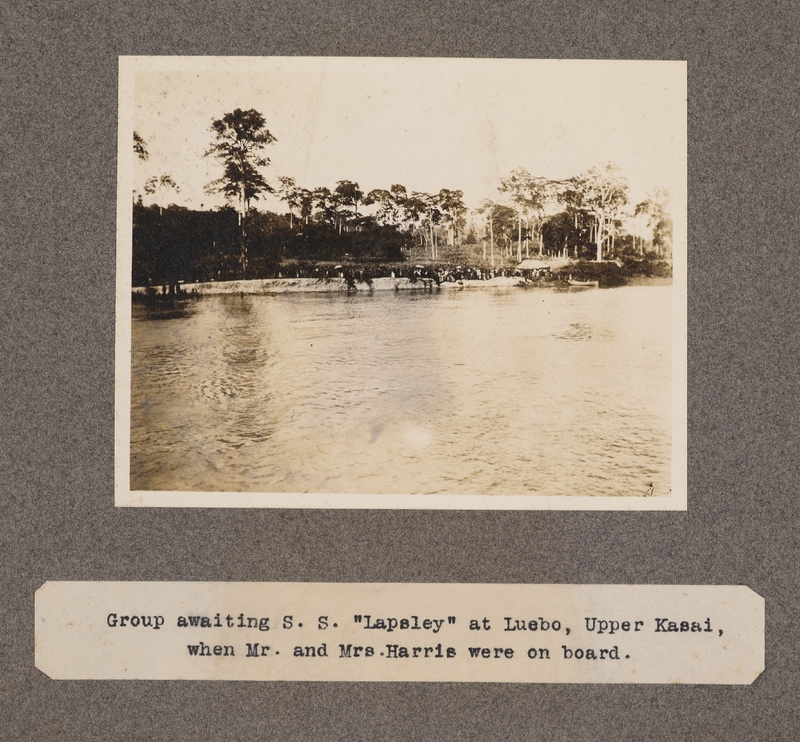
(140, 147)
(241, 139)
(576, 217)
(604, 192)
(159, 187)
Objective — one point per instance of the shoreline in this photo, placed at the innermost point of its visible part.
(648, 281)
(267, 286)
(262, 286)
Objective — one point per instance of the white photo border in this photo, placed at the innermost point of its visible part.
(677, 500)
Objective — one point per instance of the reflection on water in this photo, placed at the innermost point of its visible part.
(477, 391)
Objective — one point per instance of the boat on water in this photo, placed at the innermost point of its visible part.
(587, 284)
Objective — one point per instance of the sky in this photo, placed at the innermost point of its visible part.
(425, 123)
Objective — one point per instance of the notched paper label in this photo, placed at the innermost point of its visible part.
(400, 632)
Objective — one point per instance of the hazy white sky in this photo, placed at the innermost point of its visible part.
(425, 123)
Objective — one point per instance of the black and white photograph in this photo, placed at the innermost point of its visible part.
(401, 283)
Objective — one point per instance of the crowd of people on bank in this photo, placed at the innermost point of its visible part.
(438, 274)
(430, 275)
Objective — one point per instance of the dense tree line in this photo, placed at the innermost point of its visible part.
(583, 217)
(176, 244)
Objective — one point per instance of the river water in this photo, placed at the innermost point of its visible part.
(475, 391)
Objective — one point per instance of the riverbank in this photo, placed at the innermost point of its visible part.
(331, 285)
(649, 281)
(267, 286)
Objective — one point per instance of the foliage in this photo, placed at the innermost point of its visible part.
(579, 218)
(183, 245)
(608, 273)
(348, 195)
(616, 273)
(603, 192)
(656, 207)
(389, 208)
(140, 147)
(291, 194)
(241, 138)
(649, 265)
(570, 232)
(529, 194)
(160, 186)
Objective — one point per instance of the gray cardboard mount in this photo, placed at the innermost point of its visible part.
(58, 174)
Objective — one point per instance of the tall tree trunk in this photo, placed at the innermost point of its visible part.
(242, 231)
(519, 240)
(433, 246)
(528, 238)
(599, 236)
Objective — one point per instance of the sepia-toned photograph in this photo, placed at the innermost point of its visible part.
(401, 283)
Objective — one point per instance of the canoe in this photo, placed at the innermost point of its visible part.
(573, 282)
